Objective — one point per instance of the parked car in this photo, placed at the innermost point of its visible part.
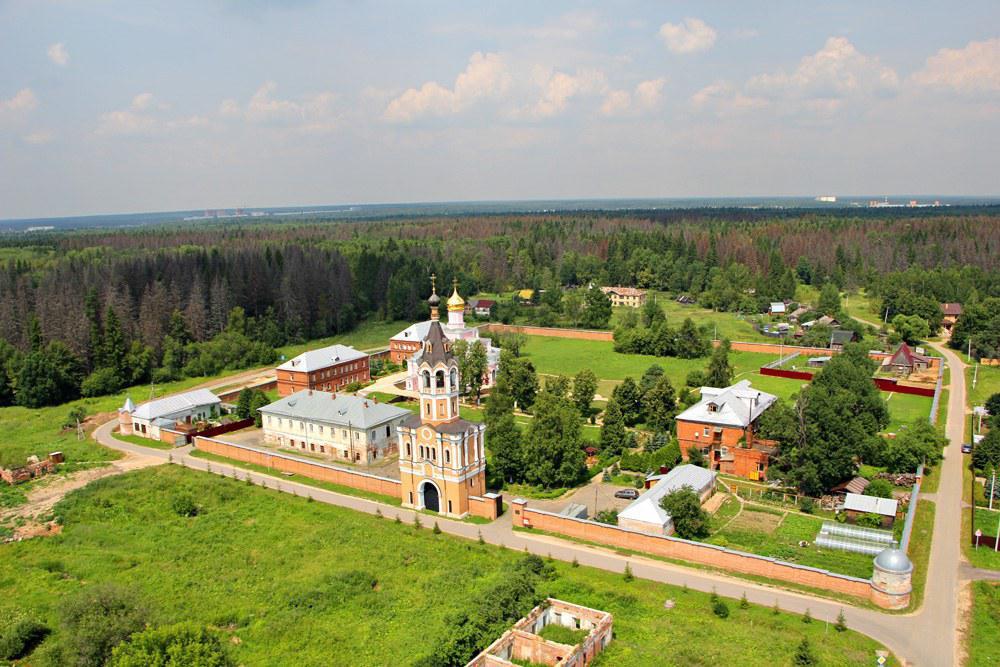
(966, 448)
(627, 494)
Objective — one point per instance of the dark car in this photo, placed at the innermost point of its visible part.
(966, 448)
(628, 494)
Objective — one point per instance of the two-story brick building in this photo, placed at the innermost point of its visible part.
(629, 297)
(326, 369)
(723, 426)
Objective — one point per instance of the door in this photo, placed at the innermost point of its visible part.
(431, 500)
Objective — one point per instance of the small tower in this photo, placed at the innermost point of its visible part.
(442, 457)
(125, 416)
(434, 299)
(456, 308)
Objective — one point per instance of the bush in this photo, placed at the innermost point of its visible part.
(869, 521)
(807, 505)
(684, 507)
(720, 608)
(96, 620)
(880, 488)
(804, 656)
(101, 382)
(182, 645)
(184, 505)
(695, 379)
(19, 634)
(79, 413)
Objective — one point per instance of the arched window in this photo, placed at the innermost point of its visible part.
(407, 449)
(439, 377)
(447, 456)
(427, 379)
(421, 451)
(454, 379)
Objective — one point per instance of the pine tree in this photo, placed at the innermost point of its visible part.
(804, 656)
(720, 371)
(613, 429)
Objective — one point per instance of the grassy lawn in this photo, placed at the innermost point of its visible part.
(906, 408)
(142, 442)
(987, 384)
(860, 305)
(984, 635)
(566, 356)
(774, 533)
(728, 325)
(247, 561)
(366, 336)
(920, 549)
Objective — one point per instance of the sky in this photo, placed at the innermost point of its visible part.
(110, 106)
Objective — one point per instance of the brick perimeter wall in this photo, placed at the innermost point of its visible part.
(483, 507)
(326, 473)
(718, 557)
(234, 395)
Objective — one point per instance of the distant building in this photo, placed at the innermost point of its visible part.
(905, 361)
(856, 505)
(339, 426)
(841, 337)
(645, 514)
(951, 313)
(778, 308)
(524, 645)
(723, 426)
(326, 369)
(480, 307)
(526, 295)
(147, 419)
(629, 297)
(797, 313)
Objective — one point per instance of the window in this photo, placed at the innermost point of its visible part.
(706, 431)
(407, 449)
(449, 507)
(322, 449)
(411, 497)
(387, 431)
(421, 451)
(447, 456)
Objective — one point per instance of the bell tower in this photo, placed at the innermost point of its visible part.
(442, 457)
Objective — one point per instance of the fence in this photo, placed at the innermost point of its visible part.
(552, 332)
(354, 479)
(234, 394)
(782, 373)
(694, 552)
(937, 395)
(883, 384)
(911, 511)
(781, 361)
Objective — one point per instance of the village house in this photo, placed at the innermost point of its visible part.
(339, 426)
(645, 515)
(905, 361)
(628, 297)
(797, 313)
(841, 337)
(165, 413)
(327, 369)
(479, 307)
(523, 643)
(856, 504)
(951, 313)
(405, 347)
(723, 425)
(777, 308)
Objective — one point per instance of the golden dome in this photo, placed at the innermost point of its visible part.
(455, 302)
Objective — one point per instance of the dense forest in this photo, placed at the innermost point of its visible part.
(106, 308)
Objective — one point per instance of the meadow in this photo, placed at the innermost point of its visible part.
(287, 578)
(987, 384)
(984, 636)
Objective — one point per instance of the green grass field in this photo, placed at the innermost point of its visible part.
(554, 356)
(775, 533)
(248, 560)
(906, 408)
(987, 384)
(366, 336)
(920, 548)
(726, 325)
(983, 643)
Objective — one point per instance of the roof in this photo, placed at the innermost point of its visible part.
(437, 347)
(163, 407)
(954, 309)
(646, 508)
(856, 485)
(324, 357)
(414, 332)
(777, 307)
(624, 291)
(738, 405)
(484, 303)
(129, 406)
(799, 312)
(526, 293)
(455, 301)
(339, 409)
(904, 356)
(826, 319)
(856, 502)
(841, 337)
(893, 560)
(452, 427)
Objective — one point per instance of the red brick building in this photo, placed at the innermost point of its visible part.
(723, 425)
(326, 369)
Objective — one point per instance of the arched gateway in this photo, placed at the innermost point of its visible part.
(429, 497)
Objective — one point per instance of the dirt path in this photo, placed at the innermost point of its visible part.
(30, 517)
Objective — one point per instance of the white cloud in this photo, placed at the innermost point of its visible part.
(58, 54)
(558, 88)
(485, 77)
(724, 99)
(646, 96)
(973, 69)
(689, 36)
(141, 102)
(126, 122)
(23, 100)
(38, 137)
(310, 113)
(836, 71)
(143, 117)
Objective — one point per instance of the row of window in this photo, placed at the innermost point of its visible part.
(322, 450)
(321, 429)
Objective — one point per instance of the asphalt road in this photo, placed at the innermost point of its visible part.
(928, 637)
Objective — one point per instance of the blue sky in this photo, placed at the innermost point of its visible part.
(140, 106)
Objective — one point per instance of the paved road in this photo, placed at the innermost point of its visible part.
(927, 637)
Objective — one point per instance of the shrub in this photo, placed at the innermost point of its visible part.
(804, 656)
(19, 634)
(96, 620)
(744, 603)
(807, 505)
(720, 608)
(841, 624)
(807, 617)
(695, 379)
(684, 507)
(869, 521)
(880, 488)
(184, 505)
(79, 413)
(100, 382)
(627, 574)
(182, 645)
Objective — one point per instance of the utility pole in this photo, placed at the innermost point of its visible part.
(975, 376)
(993, 490)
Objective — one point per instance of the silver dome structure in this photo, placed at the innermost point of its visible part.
(893, 560)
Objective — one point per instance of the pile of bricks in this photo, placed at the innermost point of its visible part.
(32, 469)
